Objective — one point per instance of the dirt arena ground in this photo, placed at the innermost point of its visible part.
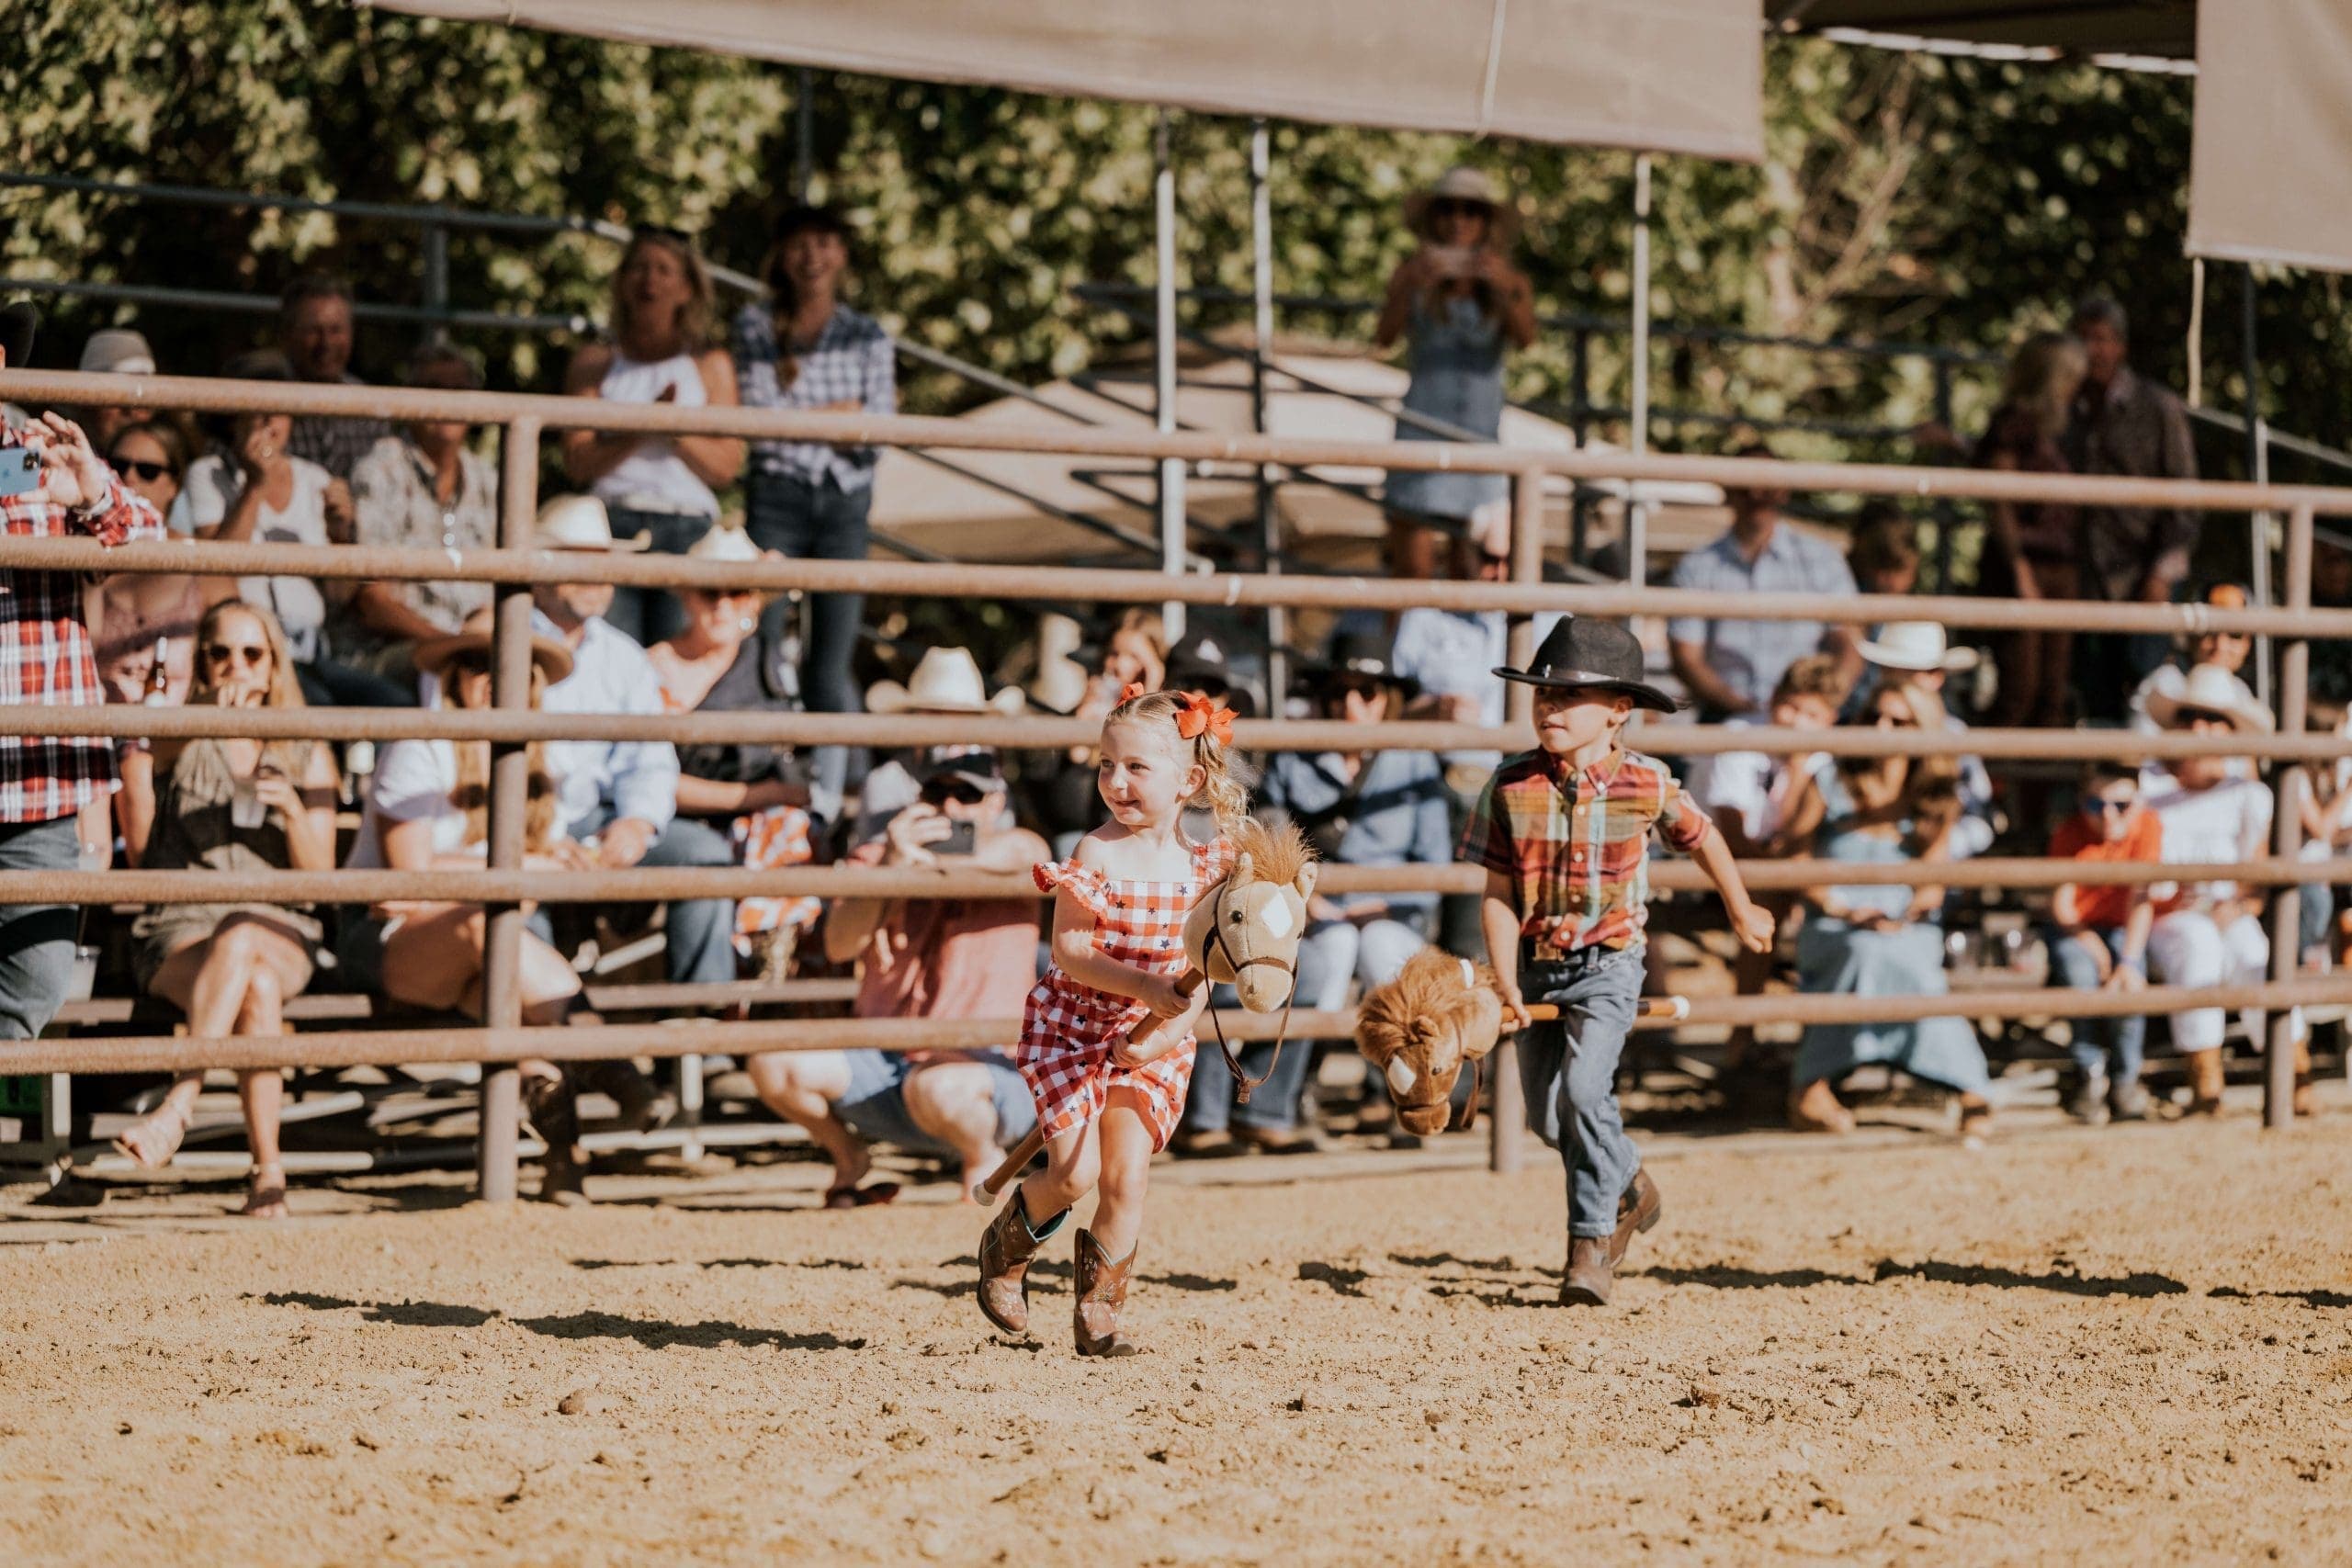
(2131, 1346)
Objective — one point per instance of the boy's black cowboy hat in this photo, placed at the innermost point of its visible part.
(1590, 655)
(19, 321)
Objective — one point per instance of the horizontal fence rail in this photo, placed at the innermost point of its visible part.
(654, 885)
(209, 395)
(1037, 734)
(352, 1048)
(1113, 585)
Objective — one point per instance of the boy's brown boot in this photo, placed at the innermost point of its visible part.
(1101, 1291)
(2306, 1102)
(1006, 1249)
(1591, 1275)
(2205, 1081)
(1637, 1210)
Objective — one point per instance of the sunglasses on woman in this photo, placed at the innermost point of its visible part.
(252, 656)
(133, 468)
(963, 792)
(1457, 209)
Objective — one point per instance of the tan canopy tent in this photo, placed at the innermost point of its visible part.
(1667, 75)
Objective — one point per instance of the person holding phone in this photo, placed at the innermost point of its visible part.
(923, 958)
(1463, 307)
(231, 804)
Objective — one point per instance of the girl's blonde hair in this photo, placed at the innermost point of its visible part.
(291, 758)
(2041, 380)
(693, 317)
(472, 794)
(1225, 788)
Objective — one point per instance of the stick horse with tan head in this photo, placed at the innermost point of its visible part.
(1244, 933)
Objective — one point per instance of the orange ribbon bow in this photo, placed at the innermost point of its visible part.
(1199, 714)
(1131, 690)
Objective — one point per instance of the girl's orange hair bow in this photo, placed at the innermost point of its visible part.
(1199, 715)
(1131, 690)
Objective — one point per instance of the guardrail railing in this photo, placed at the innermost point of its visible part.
(503, 888)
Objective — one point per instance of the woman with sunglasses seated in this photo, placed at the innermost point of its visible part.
(139, 614)
(725, 660)
(1881, 940)
(428, 809)
(228, 806)
(1464, 307)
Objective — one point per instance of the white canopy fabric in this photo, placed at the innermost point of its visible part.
(2269, 176)
(1659, 75)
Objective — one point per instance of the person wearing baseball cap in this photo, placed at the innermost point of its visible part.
(116, 350)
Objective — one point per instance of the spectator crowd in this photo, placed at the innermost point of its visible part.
(2071, 403)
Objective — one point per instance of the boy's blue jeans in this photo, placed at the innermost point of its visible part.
(2096, 1039)
(1569, 1070)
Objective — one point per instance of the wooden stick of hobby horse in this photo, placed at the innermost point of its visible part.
(1659, 1009)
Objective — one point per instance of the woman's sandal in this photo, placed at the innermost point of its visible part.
(267, 1199)
(152, 1141)
(860, 1197)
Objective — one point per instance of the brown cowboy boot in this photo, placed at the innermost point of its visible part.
(2206, 1079)
(1006, 1247)
(553, 1107)
(2306, 1101)
(1591, 1275)
(1638, 1210)
(1101, 1291)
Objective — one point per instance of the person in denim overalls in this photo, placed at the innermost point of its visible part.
(1563, 833)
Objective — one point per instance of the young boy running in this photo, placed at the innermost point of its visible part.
(1563, 833)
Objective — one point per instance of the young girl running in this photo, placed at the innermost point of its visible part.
(1107, 1103)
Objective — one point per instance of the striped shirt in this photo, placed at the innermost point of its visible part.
(1575, 843)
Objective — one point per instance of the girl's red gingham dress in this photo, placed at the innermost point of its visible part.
(1067, 1029)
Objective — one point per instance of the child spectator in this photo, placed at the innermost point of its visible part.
(2098, 938)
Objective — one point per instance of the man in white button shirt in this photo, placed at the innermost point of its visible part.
(623, 794)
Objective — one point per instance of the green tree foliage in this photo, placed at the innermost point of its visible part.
(1947, 202)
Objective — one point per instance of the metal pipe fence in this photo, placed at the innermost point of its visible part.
(510, 725)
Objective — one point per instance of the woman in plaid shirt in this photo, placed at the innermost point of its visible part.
(1563, 833)
(1108, 1102)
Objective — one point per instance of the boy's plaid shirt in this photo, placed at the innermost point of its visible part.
(1576, 844)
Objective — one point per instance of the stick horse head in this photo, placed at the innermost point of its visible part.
(1245, 932)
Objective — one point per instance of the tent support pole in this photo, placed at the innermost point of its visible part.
(1261, 288)
(804, 132)
(1638, 439)
(1171, 469)
(2257, 471)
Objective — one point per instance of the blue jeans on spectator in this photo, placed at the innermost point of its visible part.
(700, 931)
(1274, 1105)
(1569, 1070)
(2098, 1039)
(653, 615)
(330, 683)
(816, 522)
(35, 940)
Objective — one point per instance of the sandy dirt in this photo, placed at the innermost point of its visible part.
(2133, 1345)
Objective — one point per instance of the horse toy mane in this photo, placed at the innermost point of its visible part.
(1439, 1012)
(1275, 854)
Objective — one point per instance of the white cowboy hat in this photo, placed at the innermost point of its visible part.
(1059, 685)
(1463, 182)
(2209, 688)
(726, 545)
(947, 680)
(479, 635)
(579, 522)
(1917, 646)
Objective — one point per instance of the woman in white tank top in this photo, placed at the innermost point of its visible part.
(663, 487)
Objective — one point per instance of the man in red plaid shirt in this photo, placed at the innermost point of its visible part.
(1563, 833)
(45, 660)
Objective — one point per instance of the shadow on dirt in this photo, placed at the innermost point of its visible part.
(654, 1334)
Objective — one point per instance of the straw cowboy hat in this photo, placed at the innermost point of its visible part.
(947, 680)
(1917, 646)
(1059, 685)
(1463, 182)
(1584, 654)
(726, 545)
(579, 522)
(477, 636)
(2210, 689)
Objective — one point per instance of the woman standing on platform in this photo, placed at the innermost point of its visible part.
(1463, 307)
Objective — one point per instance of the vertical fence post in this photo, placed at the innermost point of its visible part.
(1262, 318)
(1506, 1129)
(2287, 828)
(1580, 426)
(510, 776)
(1637, 437)
(435, 290)
(1172, 540)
